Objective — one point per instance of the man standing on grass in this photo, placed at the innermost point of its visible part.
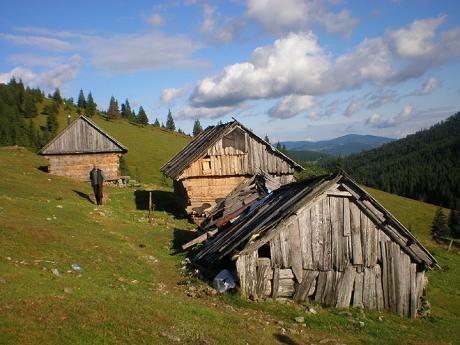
(97, 178)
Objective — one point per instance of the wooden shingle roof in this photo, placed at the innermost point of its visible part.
(82, 136)
(199, 146)
(261, 222)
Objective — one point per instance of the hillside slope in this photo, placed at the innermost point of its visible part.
(133, 289)
(423, 166)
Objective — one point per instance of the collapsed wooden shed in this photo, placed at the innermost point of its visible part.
(218, 160)
(75, 150)
(325, 240)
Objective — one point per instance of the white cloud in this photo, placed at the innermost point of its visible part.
(38, 41)
(229, 29)
(155, 19)
(352, 107)
(52, 78)
(188, 112)
(417, 40)
(134, 52)
(428, 87)
(381, 97)
(299, 15)
(376, 120)
(297, 64)
(169, 95)
(291, 105)
(328, 111)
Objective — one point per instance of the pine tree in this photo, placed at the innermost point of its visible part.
(267, 139)
(52, 124)
(156, 123)
(142, 116)
(57, 96)
(439, 226)
(30, 108)
(113, 112)
(163, 125)
(91, 106)
(454, 223)
(197, 129)
(81, 100)
(126, 111)
(170, 122)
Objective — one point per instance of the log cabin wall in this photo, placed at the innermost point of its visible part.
(78, 166)
(333, 253)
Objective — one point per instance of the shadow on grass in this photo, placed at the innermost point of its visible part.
(181, 237)
(83, 195)
(284, 339)
(161, 200)
(43, 168)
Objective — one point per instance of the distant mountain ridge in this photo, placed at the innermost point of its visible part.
(341, 146)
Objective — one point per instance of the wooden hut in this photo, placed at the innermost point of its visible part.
(325, 240)
(75, 150)
(218, 160)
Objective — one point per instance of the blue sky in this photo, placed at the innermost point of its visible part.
(292, 69)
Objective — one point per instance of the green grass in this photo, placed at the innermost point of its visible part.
(132, 289)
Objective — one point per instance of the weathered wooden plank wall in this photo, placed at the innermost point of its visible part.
(333, 253)
(78, 166)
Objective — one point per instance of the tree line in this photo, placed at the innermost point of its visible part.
(423, 166)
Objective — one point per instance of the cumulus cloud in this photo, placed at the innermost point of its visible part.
(52, 78)
(299, 15)
(226, 32)
(381, 97)
(155, 19)
(353, 107)
(329, 110)
(169, 95)
(188, 112)
(42, 42)
(376, 120)
(297, 64)
(417, 40)
(291, 106)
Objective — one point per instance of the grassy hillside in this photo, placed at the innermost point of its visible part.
(133, 289)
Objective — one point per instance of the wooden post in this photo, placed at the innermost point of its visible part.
(150, 206)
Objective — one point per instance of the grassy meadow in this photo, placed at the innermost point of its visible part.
(134, 289)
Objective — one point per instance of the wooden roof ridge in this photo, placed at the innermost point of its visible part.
(261, 224)
(199, 145)
(93, 125)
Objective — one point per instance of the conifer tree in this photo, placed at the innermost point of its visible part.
(57, 96)
(113, 112)
(163, 125)
(454, 223)
(156, 123)
(91, 106)
(170, 122)
(126, 111)
(197, 129)
(30, 108)
(267, 139)
(52, 124)
(142, 116)
(81, 100)
(439, 226)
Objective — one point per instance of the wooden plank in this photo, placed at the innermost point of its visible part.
(379, 300)
(284, 245)
(413, 291)
(398, 279)
(286, 288)
(305, 238)
(315, 234)
(241, 271)
(275, 251)
(327, 236)
(346, 217)
(329, 290)
(295, 253)
(385, 269)
(334, 232)
(420, 282)
(357, 257)
(392, 300)
(263, 266)
(275, 282)
(341, 244)
(345, 287)
(320, 286)
(305, 286)
(358, 290)
(338, 193)
(407, 269)
(363, 225)
(251, 274)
